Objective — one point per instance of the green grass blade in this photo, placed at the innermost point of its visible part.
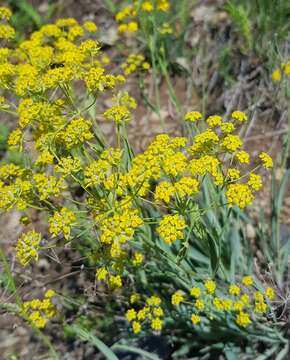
(30, 12)
(133, 349)
(85, 335)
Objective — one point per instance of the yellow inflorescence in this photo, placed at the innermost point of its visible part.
(61, 222)
(37, 311)
(267, 161)
(240, 195)
(282, 71)
(128, 17)
(134, 63)
(242, 304)
(177, 298)
(149, 313)
(171, 228)
(102, 192)
(28, 246)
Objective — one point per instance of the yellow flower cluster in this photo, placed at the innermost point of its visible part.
(120, 111)
(185, 187)
(239, 194)
(133, 63)
(37, 311)
(207, 149)
(61, 222)
(120, 197)
(48, 185)
(171, 228)
(44, 72)
(128, 16)
(149, 312)
(6, 31)
(27, 247)
(240, 304)
(267, 161)
(15, 189)
(193, 116)
(177, 298)
(278, 73)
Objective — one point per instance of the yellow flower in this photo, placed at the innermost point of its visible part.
(131, 315)
(134, 298)
(158, 312)
(267, 161)
(243, 319)
(166, 29)
(50, 293)
(115, 281)
(164, 191)
(101, 274)
(147, 6)
(231, 142)
(195, 292)
(6, 32)
(260, 307)
(255, 182)
(122, 28)
(61, 222)
(233, 174)
(44, 158)
(142, 314)
(210, 286)
(192, 116)
(37, 311)
(90, 26)
(276, 75)
(15, 137)
(248, 280)
(174, 164)
(218, 304)
(240, 116)
(227, 127)
(136, 326)
(239, 194)
(163, 5)
(199, 304)
(245, 299)
(243, 157)
(238, 305)
(214, 120)
(234, 290)
(138, 258)
(132, 26)
(156, 324)
(227, 304)
(195, 319)
(146, 65)
(270, 293)
(286, 68)
(5, 13)
(258, 296)
(118, 113)
(186, 187)
(77, 132)
(27, 247)
(177, 298)
(153, 301)
(171, 228)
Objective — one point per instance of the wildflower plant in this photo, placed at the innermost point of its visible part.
(139, 220)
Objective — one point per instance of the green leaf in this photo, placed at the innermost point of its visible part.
(133, 349)
(30, 12)
(85, 335)
(213, 252)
